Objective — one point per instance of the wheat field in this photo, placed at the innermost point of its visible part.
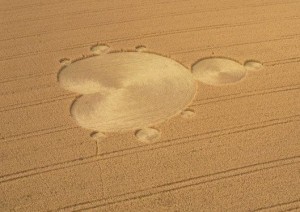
(239, 152)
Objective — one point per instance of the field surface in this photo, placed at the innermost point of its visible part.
(240, 152)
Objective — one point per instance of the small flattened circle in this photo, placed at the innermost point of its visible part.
(100, 48)
(188, 113)
(148, 135)
(218, 71)
(98, 136)
(65, 61)
(141, 48)
(253, 65)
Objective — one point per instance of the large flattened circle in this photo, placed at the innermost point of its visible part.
(127, 90)
(218, 71)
